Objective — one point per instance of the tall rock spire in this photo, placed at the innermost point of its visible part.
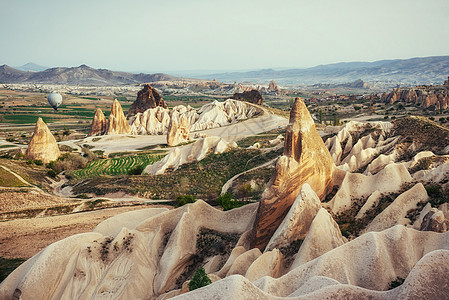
(117, 123)
(305, 160)
(98, 125)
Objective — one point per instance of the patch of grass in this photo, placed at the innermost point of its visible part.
(94, 203)
(6, 146)
(115, 166)
(227, 203)
(9, 180)
(183, 200)
(7, 265)
(25, 119)
(212, 172)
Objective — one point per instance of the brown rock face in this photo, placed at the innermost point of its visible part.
(305, 160)
(273, 87)
(178, 129)
(98, 125)
(117, 123)
(43, 144)
(147, 98)
(252, 96)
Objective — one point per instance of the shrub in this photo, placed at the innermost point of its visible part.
(51, 173)
(183, 200)
(199, 279)
(227, 203)
(38, 162)
(136, 171)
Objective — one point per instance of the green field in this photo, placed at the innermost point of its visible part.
(115, 166)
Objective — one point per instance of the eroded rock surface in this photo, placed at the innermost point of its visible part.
(147, 98)
(305, 160)
(98, 125)
(117, 123)
(43, 145)
(178, 129)
(252, 96)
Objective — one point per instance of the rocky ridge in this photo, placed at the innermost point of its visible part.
(212, 115)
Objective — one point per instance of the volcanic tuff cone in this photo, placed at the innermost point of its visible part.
(117, 123)
(178, 129)
(43, 144)
(147, 98)
(305, 160)
(98, 125)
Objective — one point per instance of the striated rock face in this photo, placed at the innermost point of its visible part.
(43, 144)
(117, 123)
(147, 98)
(305, 160)
(98, 125)
(178, 129)
(252, 96)
(425, 96)
(215, 114)
(273, 87)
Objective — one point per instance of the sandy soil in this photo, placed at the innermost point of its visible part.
(24, 238)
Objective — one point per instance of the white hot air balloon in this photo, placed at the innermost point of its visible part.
(55, 99)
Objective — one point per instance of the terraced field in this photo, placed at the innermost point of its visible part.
(115, 166)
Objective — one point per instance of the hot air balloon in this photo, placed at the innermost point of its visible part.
(55, 99)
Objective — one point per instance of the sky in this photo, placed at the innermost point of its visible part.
(178, 35)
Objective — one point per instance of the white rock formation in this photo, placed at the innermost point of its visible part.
(190, 153)
(359, 186)
(323, 236)
(140, 263)
(216, 114)
(298, 219)
(396, 212)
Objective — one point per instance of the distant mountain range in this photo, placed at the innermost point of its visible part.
(82, 75)
(404, 72)
(414, 71)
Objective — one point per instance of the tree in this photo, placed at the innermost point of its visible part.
(321, 116)
(199, 279)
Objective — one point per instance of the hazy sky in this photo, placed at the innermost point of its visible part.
(168, 35)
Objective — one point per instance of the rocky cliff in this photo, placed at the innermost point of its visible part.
(178, 129)
(117, 123)
(43, 144)
(305, 160)
(98, 125)
(147, 98)
(425, 96)
(252, 96)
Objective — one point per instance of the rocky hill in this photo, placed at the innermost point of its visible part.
(81, 75)
(420, 70)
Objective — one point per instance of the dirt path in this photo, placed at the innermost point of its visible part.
(228, 183)
(23, 238)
